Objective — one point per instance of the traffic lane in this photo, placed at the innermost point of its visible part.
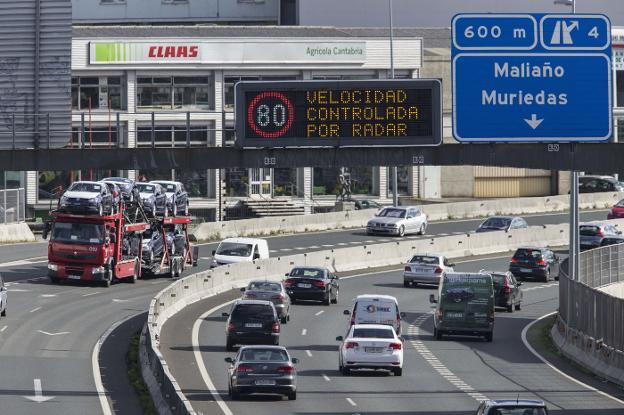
(21, 251)
(50, 334)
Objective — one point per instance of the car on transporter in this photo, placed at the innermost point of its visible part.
(398, 220)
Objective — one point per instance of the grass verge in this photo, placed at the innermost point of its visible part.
(136, 378)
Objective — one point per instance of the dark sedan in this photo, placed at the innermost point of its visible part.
(262, 369)
(612, 240)
(177, 197)
(592, 234)
(536, 263)
(128, 188)
(367, 204)
(507, 291)
(153, 198)
(312, 283)
(270, 291)
(502, 223)
(87, 197)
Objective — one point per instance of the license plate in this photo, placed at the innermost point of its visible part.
(526, 270)
(265, 382)
(73, 277)
(421, 270)
(454, 315)
(253, 325)
(373, 349)
(304, 285)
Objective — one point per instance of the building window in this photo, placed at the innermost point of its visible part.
(403, 180)
(236, 182)
(97, 93)
(96, 137)
(326, 181)
(230, 81)
(175, 135)
(285, 182)
(195, 181)
(175, 92)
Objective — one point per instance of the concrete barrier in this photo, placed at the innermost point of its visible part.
(15, 232)
(204, 284)
(440, 211)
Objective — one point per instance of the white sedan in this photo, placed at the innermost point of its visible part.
(399, 220)
(426, 269)
(371, 346)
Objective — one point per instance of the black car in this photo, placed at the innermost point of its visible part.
(177, 197)
(507, 291)
(366, 204)
(536, 263)
(612, 240)
(594, 184)
(592, 234)
(252, 322)
(87, 197)
(502, 223)
(128, 188)
(312, 283)
(153, 198)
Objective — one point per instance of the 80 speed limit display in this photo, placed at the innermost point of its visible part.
(338, 113)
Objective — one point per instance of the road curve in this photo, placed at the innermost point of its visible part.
(447, 376)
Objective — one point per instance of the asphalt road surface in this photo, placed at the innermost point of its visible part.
(50, 331)
(445, 377)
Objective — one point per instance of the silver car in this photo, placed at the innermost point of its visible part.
(270, 291)
(262, 369)
(399, 221)
(426, 269)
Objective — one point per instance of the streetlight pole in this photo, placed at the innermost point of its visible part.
(395, 180)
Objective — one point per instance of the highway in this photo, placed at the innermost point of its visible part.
(51, 330)
(446, 377)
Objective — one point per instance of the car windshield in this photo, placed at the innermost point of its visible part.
(377, 333)
(118, 180)
(146, 188)
(589, 230)
(392, 213)
(169, 187)
(496, 223)
(308, 273)
(264, 286)
(252, 311)
(85, 187)
(78, 233)
(264, 355)
(234, 249)
(427, 260)
(620, 203)
(528, 254)
(516, 410)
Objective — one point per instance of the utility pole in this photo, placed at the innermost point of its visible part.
(395, 180)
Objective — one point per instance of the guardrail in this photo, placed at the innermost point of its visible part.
(590, 323)
(204, 284)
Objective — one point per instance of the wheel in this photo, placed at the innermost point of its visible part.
(547, 276)
(293, 300)
(398, 371)
(135, 275)
(283, 320)
(423, 229)
(54, 280)
(288, 315)
(406, 284)
(510, 308)
(517, 306)
(3, 314)
(229, 346)
(437, 334)
(292, 396)
(235, 395)
(327, 300)
(108, 281)
(346, 371)
(489, 336)
(276, 342)
(100, 210)
(402, 231)
(335, 300)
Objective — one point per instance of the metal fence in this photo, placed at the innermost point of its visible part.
(588, 310)
(12, 205)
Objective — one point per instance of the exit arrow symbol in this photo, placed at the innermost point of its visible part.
(52, 334)
(38, 393)
(534, 122)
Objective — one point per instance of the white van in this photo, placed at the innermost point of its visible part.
(233, 250)
(376, 309)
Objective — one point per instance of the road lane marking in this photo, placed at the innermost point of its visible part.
(355, 242)
(273, 251)
(327, 246)
(60, 333)
(300, 248)
(319, 313)
(90, 294)
(314, 247)
(286, 249)
(351, 402)
(35, 309)
(326, 378)
(18, 290)
(304, 332)
(38, 397)
(48, 295)
(3, 329)
(22, 262)
(309, 353)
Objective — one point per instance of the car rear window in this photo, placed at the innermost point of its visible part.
(252, 311)
(264, 355)
(308, 273)
(264, 286)
(498, 280)
(423, 259)
(589, 230)
(517, 411)
(146, 188)
(496, 223)
(528, 254)
(374, 333)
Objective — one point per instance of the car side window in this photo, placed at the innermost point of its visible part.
(523, 223)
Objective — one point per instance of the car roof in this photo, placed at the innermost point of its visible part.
(426, 254)
(373, 296)
(243, 240)
(534, 248)
(311, 267)
(511, 402)
(503, 217)
(261, 302)
(164, 181)
(264, 281)
(260, 346)
(373, 326)
(86, 181)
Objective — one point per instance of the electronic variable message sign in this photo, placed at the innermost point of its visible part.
(404, 112)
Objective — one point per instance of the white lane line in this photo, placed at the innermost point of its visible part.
(273, 251)
(3, 329)
(199, 359)
(286, 249)
(35, 309)
(355, 242)
(536, 354)
(22, 262)
(327, 246)
(319, 313)
(351, 402)
(326, 378)
(90, 294)
(341, 243)
(48, 295)
(18, 290)
(301, 248)
(304, 332)
(309, 353)
(314, 247)
(370, 241)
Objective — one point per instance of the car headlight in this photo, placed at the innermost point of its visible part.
(63, 200)
(394, 225)
(97, 270)
(92, 201)
(53, 267)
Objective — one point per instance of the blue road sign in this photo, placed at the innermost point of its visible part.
(531, 77)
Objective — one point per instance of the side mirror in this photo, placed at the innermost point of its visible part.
(243, 289)
(346, 312)
(402, 339)
(450, 265)
(294, 360)
(47, 226)
(225, 314)
(410, 217)
(432, 299)
(287, 274)
(256, 256)
(214, 252)
(339, 338)
(519, 283)
(229, 360)
(402, 314)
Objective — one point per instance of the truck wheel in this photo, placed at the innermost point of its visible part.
(292, 396)
(54, 280)
(406, 283)
(3, 314)
(135, 275)
(108, 281)
(489, 336)
(398, 371)
(438, 334)
(510, 308)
